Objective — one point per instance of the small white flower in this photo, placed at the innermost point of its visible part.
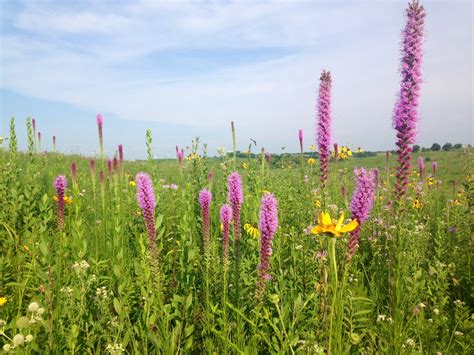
(458, 334)
(381, 317)
(410, 342)
(33, 307)
(29, 338)
(6, 347)
(18, 339)
(40, 311)
(436, 311)
(421, 305)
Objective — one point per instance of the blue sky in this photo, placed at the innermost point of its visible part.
(186, 69)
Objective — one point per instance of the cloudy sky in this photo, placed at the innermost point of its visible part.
(186, 69)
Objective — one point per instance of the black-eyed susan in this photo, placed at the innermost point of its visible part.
(251, 230)
(431, 181)
(67, 199)
(327, 225)
(416, 203)
(245, 166)
(311, 161)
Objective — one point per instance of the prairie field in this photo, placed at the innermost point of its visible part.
(92, 285)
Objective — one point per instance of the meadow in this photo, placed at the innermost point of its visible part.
(329, 250)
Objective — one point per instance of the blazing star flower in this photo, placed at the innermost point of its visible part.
(100, 124)
(324, 124)
(205, 198)
(146, 201)
(115, 165)
(226, 217)
(236, 198)
(60, 184)
(268, 224)
(120, 150)
(300, 137)
(434, 166)
(328, 226)
(405, 118)
(361, 205)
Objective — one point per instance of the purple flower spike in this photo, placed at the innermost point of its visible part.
(434, 166)
(268, 224)
(180, 156)
(236, 198)
(100, 124)
(115, 165)
(421, 167)
(74, 172)
(92, 166)
(324, 124)
(120, 149)
(267, 157)
(361, 205)
(300, 137)
(146, 201)
(109, 166)
(60, 184)
(205, 198)
(226, 217)
(405, 118)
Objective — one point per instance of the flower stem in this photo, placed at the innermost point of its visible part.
(334, 282)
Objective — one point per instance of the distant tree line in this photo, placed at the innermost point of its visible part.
(436, 147)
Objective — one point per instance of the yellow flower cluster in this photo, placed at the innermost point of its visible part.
(327, 225)
(343, 153)
(417, 203)
(251, 231)
(67, 199)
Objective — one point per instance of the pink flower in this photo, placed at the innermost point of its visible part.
(324, 124)
(205, 198)
(146, 201)
(60, 184)
(300, 137)
(120, 149)
(226, 217)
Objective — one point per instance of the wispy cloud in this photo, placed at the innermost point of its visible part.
(110, 58)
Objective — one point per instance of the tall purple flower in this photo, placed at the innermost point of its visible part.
(236, 198)
(361, 205)
(268, 224)
(405, 118)
(180, 156)
(146, 201)
(324, 124)
(60, 184)
(434, 166)
(115, 165)
(226, 217)
(100, 124)
(300, 137)
(109, 167)
(267, 157)
(421, 167)
(101, 177)
(92, 166)
(205, 198)
(120, 150)
(74, 172)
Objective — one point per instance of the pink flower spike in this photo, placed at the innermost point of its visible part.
(60, 184)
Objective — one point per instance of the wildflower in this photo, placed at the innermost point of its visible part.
(359, 150)
(431, 181)
(6, 348)
(458, 333)
(361, 204)
(434, 166)
(74, 172)
(18, 339)
(421, 167)
(416, 203)
(132, 183)
(311, 161)
(180, 156)
(455, 202)
(146, 201)
(60, 184)
(205, 198)
(300, 137)
(109, 166)
(317, 203)
(327, 225)
(115, 165)
(267, 157)
(251, 230)
(92, 166)
(324, 124)
(381, 317)
(29, 338)
(410, 342)
(226, 216)
(120, 150)
(236, 198)
(3, 301)
(268, 224)
(33, 307)
(245, 166)
(100, 124)
(312, 148)
(436, 311)
(405, 118)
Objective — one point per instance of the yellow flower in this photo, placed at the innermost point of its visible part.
(317, 203)
(431, 181)
(349, 152)
(26, 248)
(312, 148)
(67, 199)
(3, 300)
(132, 183)
(456, 202)
(251, 231)
(311, 161)
(359, 150)
(327, 225)
(416, 203)
(245, 166)
(342, 156)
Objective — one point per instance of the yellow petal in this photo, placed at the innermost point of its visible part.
(316, 230)
(325, 219)
(349, 227)
(339, 223)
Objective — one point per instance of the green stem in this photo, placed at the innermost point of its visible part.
(334, 282)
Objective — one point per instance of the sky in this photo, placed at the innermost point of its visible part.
(187, 69)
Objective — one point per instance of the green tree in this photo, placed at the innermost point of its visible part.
(447, 146)
(416, 148)
(435, 147)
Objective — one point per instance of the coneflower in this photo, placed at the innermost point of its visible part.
(268, 224)
(405, 118)
(100, 124)
(120, 150)
(421, 167)
(324, 124)
(205, 198)
(226, 217)
(361, 205)
(146, 201)
(74, 172)
(60, 184)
